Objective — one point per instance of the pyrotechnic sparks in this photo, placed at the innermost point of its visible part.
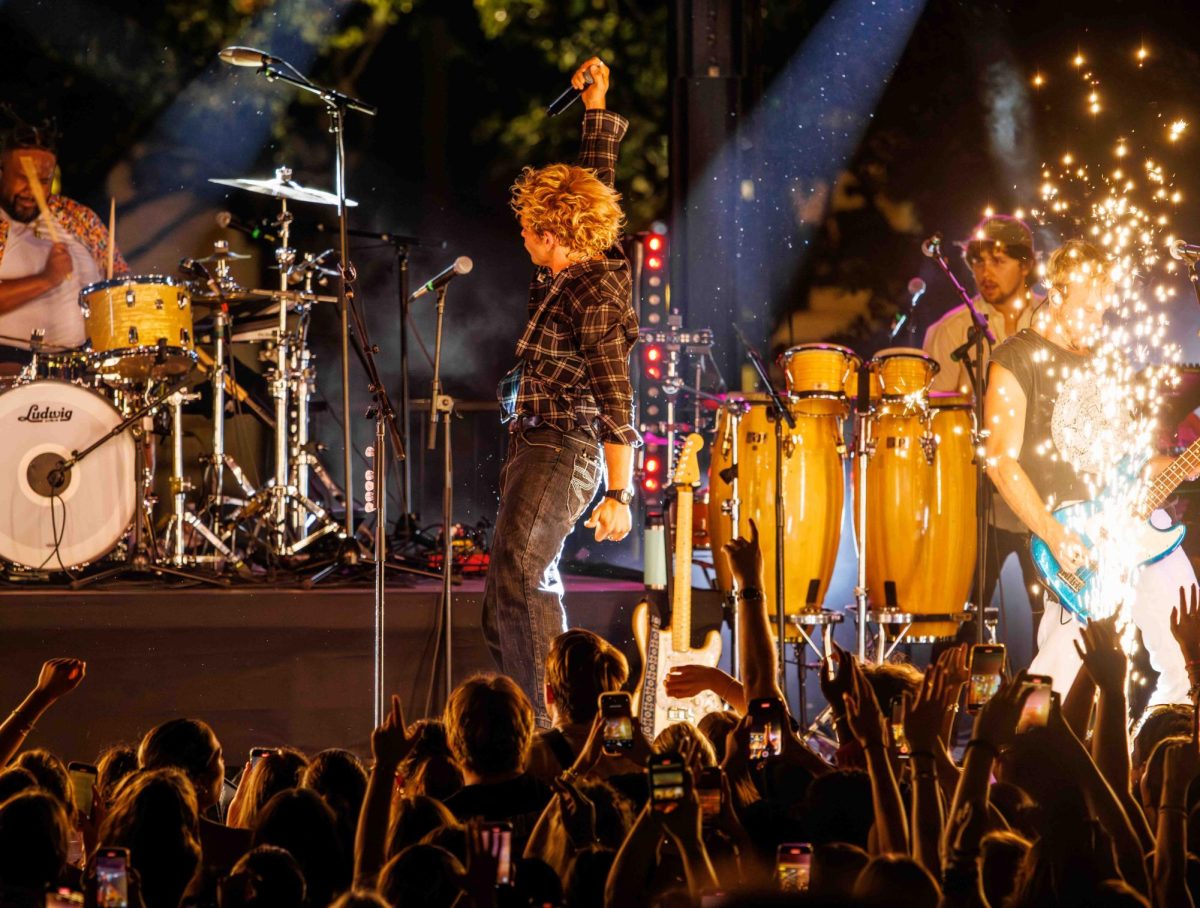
(1106, 302)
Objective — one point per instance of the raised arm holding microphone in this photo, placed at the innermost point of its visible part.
(568, 401)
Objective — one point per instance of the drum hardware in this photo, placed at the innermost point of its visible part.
(806, 624)
(972, 359)
(864, 449)
(675, 343)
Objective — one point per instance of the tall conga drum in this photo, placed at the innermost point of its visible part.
(813, 485)
(817, 376)
(921, 541)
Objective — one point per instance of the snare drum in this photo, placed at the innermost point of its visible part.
(139, 327)
(42, 528)
(813, 490)
(921, 512)
(817, 376)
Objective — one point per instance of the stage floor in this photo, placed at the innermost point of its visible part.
(264, 666)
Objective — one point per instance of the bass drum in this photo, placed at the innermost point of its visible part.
(813, 491)
(43, 529)
(921, 512)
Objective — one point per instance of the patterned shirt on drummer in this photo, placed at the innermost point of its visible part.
(575, 350)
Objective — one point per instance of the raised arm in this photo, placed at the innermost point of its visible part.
(57, 677)
(602, 129)
(390, 744)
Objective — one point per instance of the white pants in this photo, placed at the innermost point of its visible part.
(1157, 593)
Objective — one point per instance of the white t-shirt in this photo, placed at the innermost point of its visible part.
(57, 311)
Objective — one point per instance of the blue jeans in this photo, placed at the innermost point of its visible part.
(547, 481)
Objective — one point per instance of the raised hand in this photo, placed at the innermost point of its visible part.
(865, 718)
(60, 676)
(577, 811)
(925, 713)
(686, 681)
(835, 687)
(593, 95)
(996, 723)
(1185, 624)
(391, 742)
(1102, 654)
(1181, 766)
(954, 662)
(745, 560)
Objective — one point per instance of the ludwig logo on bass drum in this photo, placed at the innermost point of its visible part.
(46, 414)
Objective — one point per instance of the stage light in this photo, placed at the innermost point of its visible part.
(654, 263)
(654, 372)
(652, 464)
(653, 354)
(650, 484)
(655, 243)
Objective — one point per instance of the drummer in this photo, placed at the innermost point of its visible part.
(40, 279)
(1001, 256)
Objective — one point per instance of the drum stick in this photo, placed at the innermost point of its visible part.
(112, 233)
(35, 186)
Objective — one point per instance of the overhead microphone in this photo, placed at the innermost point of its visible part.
(932, 247)
(568, 97)
(916, 288)
(461, 265)
(227, 220)
(246, 56)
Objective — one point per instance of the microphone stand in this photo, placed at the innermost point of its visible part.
(441, 406)
(980, 330)
(782, 414)
(336, 105)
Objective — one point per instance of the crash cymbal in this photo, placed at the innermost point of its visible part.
(222, 255)
(282, 186)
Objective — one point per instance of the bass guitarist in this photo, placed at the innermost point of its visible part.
(1042, 436)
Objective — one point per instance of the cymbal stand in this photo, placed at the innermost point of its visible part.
(732, 506)
(864, 448)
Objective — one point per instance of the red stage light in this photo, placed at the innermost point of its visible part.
(653, 354)
(654, 372)
(650, 484)
(651, 464)
(654, 263)
(655, 242)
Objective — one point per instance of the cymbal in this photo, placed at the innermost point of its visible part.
(282, 187)
(222, 255)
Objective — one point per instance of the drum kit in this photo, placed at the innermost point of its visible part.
(78, 467)
(913, 487)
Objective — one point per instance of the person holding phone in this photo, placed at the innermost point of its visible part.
(568, 402)
(1041, 448)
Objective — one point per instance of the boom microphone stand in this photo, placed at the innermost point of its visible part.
(971, 355)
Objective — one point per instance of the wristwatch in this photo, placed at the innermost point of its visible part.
(625, 496)
(749, 594)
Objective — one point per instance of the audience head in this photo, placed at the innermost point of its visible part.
(489, 724)
(115, 764)
(155, 816)
(1000, 859)
(839, 808)
(360, 898)
(888, 878)
(672, 740)
(338, 777)
(1165, 720)
(415, 818)
(264, 877)
(586, 876)
(429, 769)
(300, 822)
(51, 774)
(190, 746)
(579, 668)
(277, 770)
(614, 811)
(891, 679)
(34, 828)
(422, 876)
(835, 870)
(716, 728)
(14, 780)
(536, 883)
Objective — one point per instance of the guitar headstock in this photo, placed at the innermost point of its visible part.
(687, 467)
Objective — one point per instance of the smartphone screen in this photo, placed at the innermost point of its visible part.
(64, 898)
(1036, 711)
(498, 837)
(766, 728)
(257, 753)
(617, 715)
(708, 787)
(793, 862)
(666, 781)
(987, 666)
(899, 738)
(112, 878)
(83, 786)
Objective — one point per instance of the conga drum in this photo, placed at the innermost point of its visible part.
(817, 376)
(813, 486)
(921, 511)
(903, 372)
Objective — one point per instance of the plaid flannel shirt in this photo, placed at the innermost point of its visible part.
(575, 350)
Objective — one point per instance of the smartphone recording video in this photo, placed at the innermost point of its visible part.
(666, 779)
(1036, 711)
(987, 668)
(708, 788)
(112, 878)
(498, 838)
(793, 863)
(899, 738)
(83, 786)
(616, 713)
(766, 728)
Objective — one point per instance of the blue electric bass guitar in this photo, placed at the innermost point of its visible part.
(1091, 519)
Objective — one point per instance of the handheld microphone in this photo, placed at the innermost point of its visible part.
(568, 97)
(932, 247)
(1185, 252)
(246, 56)
(227, 220)
(461, 265)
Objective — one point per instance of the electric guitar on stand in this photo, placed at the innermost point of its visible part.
(663, 650)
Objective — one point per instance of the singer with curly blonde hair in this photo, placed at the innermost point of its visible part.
(568, 401)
